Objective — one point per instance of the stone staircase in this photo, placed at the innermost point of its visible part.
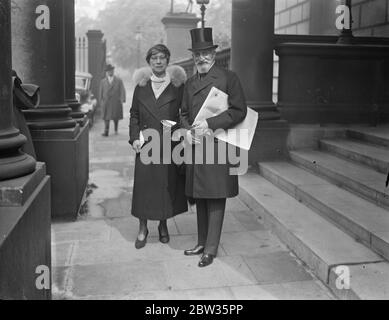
(331, 207)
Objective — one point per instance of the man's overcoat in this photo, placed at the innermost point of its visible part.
(111, 98)
(212, 181)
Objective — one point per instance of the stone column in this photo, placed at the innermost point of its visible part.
(177, 26)
(24, 195)
(252, 59)
(39, 57)
(13, 163)
(70, 64)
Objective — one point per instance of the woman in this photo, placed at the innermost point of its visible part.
(158, 188)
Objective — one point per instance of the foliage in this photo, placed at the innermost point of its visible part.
(120, 19)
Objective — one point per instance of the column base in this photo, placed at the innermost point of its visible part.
(13, 162)
(270, 140)
(49, 118)
(66, 154)
(80, 117)
(25, 235)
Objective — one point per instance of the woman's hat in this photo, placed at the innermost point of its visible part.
(109, 67)
(202, 39)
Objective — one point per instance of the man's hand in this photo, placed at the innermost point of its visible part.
(137, 146)
(201, 126)
(191, 138)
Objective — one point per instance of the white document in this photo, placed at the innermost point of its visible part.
(215, 104)
(141, 139)
(242, 135)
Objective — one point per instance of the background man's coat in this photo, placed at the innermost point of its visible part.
(212, 181)
(111, 98)
(159, 192)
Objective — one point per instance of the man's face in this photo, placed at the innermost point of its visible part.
(204, 59)
(110, 73)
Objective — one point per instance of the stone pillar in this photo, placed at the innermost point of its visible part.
(39, 57)
(13, 163)
(252, 59)
(177, 26)
(24, 195)
(96, 59)
(70, 64)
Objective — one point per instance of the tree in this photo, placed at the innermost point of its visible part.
(120, 19)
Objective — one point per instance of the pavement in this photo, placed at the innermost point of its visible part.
(94, 258)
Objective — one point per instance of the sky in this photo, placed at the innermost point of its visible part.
(91, 8)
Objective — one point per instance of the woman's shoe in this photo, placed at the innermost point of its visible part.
(141, 244)
(163, 238)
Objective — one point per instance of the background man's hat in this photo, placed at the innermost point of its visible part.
(109, 67)
(202, 39)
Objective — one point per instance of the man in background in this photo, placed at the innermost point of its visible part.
(112, 95)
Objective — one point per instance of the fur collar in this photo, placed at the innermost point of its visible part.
(177, 75)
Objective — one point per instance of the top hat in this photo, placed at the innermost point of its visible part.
(202, 39)
(109, 67)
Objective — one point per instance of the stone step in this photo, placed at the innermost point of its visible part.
(363, 220)
(376, 135)
(354, 177)
(371, 155)
(316, 241)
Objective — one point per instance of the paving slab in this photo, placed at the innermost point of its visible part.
(61, 253)
(249, 220)
(302, 290)
(251, 243)
(276, 267)
(118, 279)
(225, 271)
(92, 232)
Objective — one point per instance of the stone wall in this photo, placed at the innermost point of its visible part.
(317, 17)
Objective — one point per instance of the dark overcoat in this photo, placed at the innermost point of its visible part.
(159, 189)
(212, 181)
(111, 98)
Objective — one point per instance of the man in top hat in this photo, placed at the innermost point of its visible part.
(209, 184)
(112, 95)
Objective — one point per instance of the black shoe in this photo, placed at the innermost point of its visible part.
(206, 260)
(195, 251)
(141, 244)
(163, 238)
(105, 134)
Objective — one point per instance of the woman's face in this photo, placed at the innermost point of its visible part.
(158, 63)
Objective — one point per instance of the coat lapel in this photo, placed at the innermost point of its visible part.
(167, 96)
(201, 89)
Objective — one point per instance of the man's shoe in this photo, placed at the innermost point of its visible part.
(163, 238)
(195, 251)
(206, 260)
(141, 244)
(105, 134)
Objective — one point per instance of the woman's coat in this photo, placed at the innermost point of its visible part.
(159, 189)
